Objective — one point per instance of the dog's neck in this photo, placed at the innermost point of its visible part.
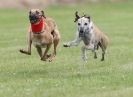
(91, 28)
(36, 28)
(88, 34)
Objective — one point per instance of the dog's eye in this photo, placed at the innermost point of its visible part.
(85, 24)
(37, 12)
(79, 24)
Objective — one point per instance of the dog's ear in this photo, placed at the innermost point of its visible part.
(37, 12)
(43, 13)
(89, 18)
(76, 16)
(84, 15)
(29, 12)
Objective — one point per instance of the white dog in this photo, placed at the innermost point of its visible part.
(91, 36)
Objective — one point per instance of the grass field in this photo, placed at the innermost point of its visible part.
(68, 76)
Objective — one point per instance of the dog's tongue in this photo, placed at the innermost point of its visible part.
(35, 28)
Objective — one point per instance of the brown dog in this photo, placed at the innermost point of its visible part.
(43, 32)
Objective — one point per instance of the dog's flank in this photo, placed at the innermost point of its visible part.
(44, 36)
(92, 37)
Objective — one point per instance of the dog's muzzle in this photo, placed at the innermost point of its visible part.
(33, 19)
(81, 32)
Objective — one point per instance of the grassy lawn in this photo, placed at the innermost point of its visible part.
(68, 76)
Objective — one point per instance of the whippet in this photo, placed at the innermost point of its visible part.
(90, 35)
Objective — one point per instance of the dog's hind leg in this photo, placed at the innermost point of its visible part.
(103, 51)
(56, 41)
(103, 54)
(55, 46)
(98, 45)
(28, 50)
(95, 53)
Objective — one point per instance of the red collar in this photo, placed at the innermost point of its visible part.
(37, 28)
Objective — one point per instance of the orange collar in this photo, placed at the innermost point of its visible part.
(37, 28)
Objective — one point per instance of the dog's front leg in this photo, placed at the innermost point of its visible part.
(84, 48)
(45, 57)
(84, 56)
(74, 42)
(39, 50)
(28, 50)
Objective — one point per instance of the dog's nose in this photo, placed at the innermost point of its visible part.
(33, 18)
(81, 30)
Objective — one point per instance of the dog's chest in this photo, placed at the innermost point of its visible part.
(86, 38)
(39, 41)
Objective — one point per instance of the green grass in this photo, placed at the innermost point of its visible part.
(68, 76)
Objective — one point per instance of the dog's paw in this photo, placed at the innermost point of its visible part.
(66, 45)
(43, 59)
(50, 59)
(84, 59)
(48, 55)
(95, 56)
(21, 51)
(102, 59)
(24, 52)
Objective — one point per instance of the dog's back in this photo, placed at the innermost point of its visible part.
(101, 37)
(50, 23)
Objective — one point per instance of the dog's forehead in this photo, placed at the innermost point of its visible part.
(83, 19)
(35, 10)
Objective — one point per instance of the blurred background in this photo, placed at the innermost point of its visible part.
(45, 3)
(67, 75)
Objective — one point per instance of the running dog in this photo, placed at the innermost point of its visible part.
(43, 32)
(91, 36)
